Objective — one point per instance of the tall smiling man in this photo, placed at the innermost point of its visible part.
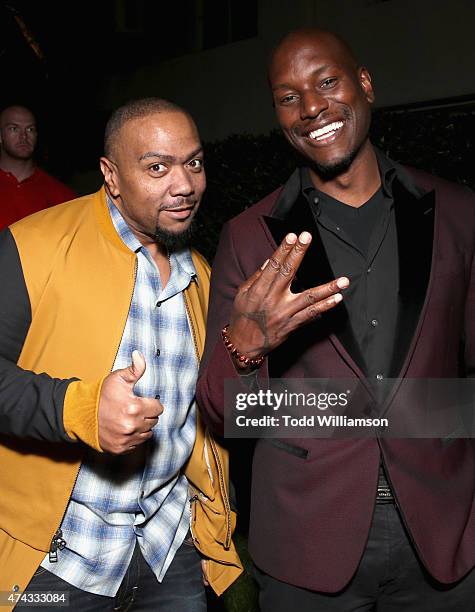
(355, 524)
(104, 474)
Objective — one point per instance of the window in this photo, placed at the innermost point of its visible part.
(149, 29)
(227, 21)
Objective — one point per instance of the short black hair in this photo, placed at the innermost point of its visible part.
(134, 110)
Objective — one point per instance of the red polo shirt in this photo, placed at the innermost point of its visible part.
(38, 191)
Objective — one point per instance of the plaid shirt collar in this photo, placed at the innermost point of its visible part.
(182, 258)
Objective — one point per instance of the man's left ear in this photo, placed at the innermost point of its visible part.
(366, 85)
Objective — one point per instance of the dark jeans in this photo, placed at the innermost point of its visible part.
(182, 588)
(389, 578)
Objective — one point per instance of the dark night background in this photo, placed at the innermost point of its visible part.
(73, 64)
(83, 44)
(62, 87)
(64, 59)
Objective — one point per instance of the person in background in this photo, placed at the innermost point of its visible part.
(24, 187)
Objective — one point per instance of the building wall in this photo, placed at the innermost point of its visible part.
(416, 50)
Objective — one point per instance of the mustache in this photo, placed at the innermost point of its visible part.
(180, 202)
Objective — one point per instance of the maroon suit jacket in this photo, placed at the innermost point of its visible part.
(313, 499)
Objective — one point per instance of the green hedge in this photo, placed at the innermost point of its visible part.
(243, 168)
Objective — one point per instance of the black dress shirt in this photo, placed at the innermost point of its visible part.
(361, 243)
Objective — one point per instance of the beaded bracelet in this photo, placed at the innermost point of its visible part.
(241, 360)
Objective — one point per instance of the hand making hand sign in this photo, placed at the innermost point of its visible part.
(265, 311)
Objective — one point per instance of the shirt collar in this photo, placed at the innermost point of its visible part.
(387, 169)
(121, 227)
(182, 259)
(9, 176)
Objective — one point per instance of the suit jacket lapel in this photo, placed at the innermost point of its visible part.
(414, 213)
(292, 213)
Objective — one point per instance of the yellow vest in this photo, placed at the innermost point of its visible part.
(80, 279)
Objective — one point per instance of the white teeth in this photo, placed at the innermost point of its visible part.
(325, 131)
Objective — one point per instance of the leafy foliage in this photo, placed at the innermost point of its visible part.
(242, 169)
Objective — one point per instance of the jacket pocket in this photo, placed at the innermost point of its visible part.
(297, 451)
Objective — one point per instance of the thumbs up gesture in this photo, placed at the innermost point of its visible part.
(126, 420)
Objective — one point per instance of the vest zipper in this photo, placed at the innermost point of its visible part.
(227, 505)
(222, 485)
(192, 327)
(57, 541)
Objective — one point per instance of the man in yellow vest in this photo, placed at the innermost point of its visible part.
(113, 491)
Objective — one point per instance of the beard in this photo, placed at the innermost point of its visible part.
(175, 241)
(330, 171)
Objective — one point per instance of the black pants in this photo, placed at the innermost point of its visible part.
(389, 578)
(181, 590)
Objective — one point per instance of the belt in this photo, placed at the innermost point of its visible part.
(384, 495)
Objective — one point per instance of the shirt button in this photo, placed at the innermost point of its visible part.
(374, 322)
(158, 304)
(369, 270)
(157, 353)
(379, 376)
(337, 228)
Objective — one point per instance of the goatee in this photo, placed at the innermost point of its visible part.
(330, 171)
(175, 241)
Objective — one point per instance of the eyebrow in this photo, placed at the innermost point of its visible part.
(19, 123)
(168, 158)
(316, 72)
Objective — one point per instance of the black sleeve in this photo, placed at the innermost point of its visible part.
(31, 405)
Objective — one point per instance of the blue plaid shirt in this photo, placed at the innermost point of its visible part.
(143, 496)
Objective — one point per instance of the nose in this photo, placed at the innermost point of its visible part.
(182, 184)
(312, 104)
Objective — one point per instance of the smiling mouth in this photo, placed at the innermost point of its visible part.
(326, 132)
